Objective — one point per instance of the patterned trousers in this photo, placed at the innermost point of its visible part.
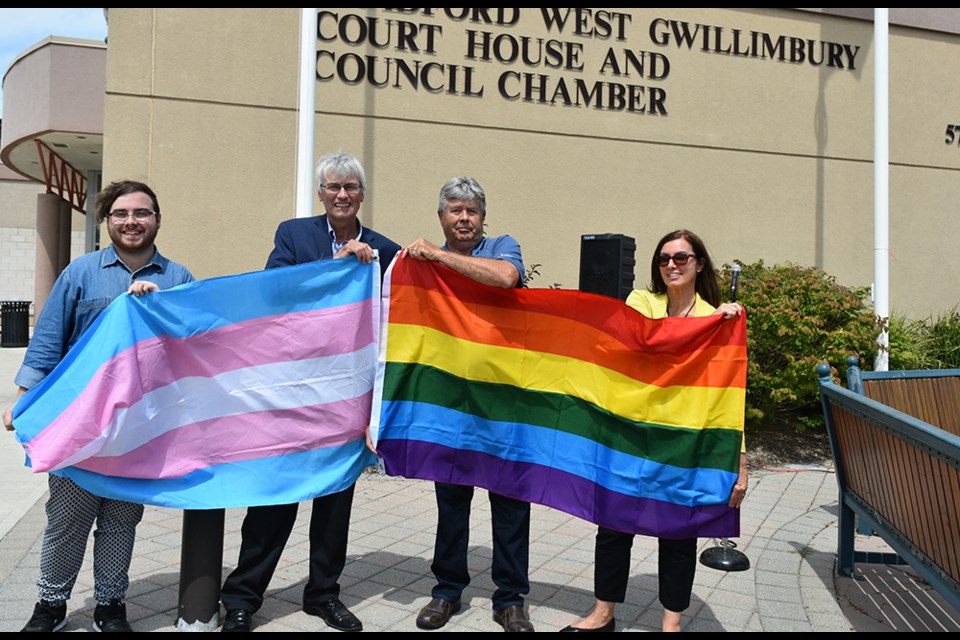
(71, 512)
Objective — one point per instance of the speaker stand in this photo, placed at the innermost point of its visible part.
(725, 557)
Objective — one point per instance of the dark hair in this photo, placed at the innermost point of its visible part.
(114, 190)
(706, 285)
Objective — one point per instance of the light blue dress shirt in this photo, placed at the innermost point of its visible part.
(78, 297)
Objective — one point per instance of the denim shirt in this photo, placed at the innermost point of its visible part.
(79, 295)
(499, 248)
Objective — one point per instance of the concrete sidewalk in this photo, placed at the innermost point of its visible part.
(789, 533)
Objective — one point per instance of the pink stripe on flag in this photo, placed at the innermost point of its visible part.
(240, 437)
(123, 380)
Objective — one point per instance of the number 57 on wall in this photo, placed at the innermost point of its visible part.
(953, 133)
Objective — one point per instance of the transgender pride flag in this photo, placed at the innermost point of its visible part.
(244, 390)
(566, 399)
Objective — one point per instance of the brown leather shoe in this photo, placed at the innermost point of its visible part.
(513, 619)
(437, 613)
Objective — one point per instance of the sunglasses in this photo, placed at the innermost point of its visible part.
(680, 258)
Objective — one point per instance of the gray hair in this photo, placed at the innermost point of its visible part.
(462, 189)
(340, 165)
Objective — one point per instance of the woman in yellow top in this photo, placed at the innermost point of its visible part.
(683, 284)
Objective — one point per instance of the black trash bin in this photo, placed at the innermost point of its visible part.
(14, 323)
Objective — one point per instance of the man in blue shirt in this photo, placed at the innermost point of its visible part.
(494, 261)
(86, 287)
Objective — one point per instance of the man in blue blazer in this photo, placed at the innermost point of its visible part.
(336, 234)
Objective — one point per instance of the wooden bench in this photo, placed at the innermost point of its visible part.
(899, 473)
(930, 396)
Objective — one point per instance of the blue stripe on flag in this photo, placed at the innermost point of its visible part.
(285, 479)
(567, 452)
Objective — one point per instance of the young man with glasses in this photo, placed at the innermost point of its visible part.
(335, 234)
(133, 265)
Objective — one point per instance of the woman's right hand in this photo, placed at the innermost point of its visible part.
(739, 491)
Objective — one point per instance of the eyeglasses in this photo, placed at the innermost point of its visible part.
(680, 258)
(121, 215)
(350, 188)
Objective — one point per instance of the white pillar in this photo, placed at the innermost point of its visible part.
(881, 187)
(306, 112)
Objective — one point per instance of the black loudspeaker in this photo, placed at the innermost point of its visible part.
(607, 261)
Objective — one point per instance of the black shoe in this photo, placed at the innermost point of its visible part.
(47, 617)
(437, 613)
(610, 626)
(335, 614)
(237, 620)
(513, 619)
(111, 618)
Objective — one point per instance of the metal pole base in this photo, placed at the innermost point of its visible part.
(201, 563)
(725, 557)
(184, 626)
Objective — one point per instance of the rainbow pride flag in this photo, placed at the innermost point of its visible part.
(252, 389)
(566, 399)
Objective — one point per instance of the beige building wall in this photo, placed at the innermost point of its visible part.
(18, 200)
(731, 131)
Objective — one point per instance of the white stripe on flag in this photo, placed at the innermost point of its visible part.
(275, 386)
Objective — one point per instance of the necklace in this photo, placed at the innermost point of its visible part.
(688, 310)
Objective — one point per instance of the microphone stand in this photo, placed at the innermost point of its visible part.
(726, 556)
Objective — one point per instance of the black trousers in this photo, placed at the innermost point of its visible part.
(264, 534)
(677, 565)
(511, 545)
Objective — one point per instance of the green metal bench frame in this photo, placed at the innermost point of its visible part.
(899, 475)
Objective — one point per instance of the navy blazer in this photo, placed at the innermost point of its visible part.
(303, 240)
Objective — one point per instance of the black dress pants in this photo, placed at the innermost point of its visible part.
(677, 565)
(511, 545)
(265, 532)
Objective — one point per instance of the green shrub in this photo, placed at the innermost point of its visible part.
(908, 344)
(944, 341)
(797, 317)
(925, 344)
